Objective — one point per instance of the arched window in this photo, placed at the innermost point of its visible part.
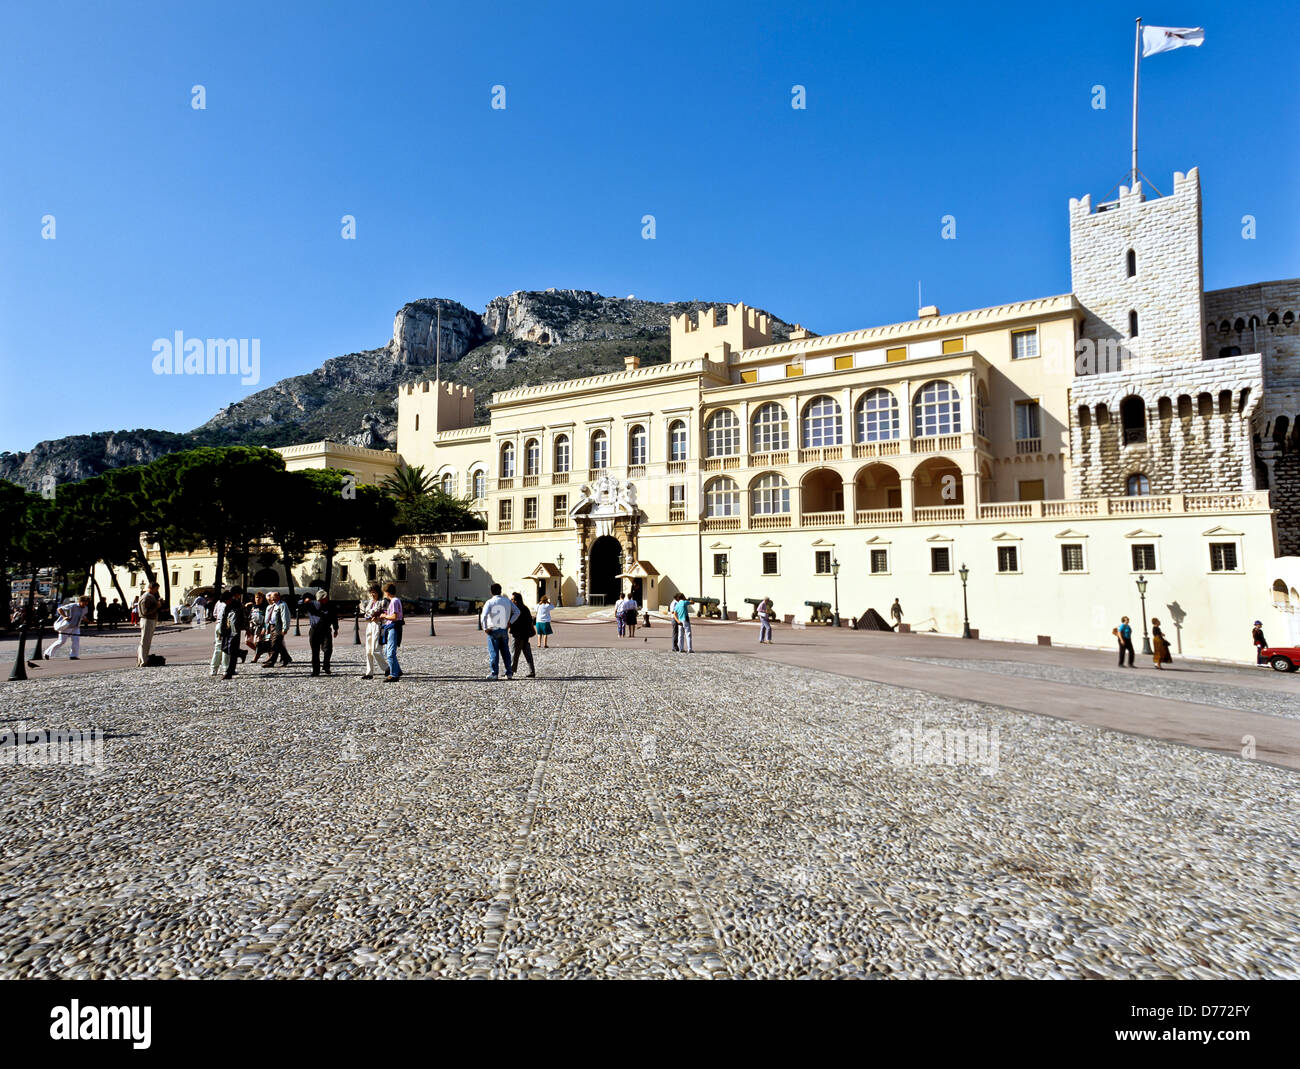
(1272, 319)
(449, 484)
(1165, 408)
(532, 457)
(638, 445)
(1138, 485)
(1204, 404)
(599, 450)
(1288, 318)
(1132, 324)
(677, 440)
(981, 411)
(1239, 325)
(769, 495)
(508, 460)
(722, 434)
(770, 429)
(480, 483)
(722, 497)
(563, 454)
(876, 416)
(1133, 419)
(1131, 264)
(936, 410)
(821, 423)
(1084, 416)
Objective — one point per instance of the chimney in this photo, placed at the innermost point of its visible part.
(631, 363)
(928, 312)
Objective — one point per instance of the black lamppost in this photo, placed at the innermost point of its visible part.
(835, 574)
(356, 626)
(726, 570)
(963, 571)
(559, 591)
(1142, 593)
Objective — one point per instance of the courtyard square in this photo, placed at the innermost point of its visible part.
(629, 814)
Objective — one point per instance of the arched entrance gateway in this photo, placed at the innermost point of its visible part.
(603, 566)
(605, 518)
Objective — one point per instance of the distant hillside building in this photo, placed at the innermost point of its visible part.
(1059, 448)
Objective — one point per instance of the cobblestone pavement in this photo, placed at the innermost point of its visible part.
(627, 814)
(1142, 679)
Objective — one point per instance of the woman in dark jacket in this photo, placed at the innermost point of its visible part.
(522, 633)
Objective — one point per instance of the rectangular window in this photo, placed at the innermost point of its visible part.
(749, 376)
(719, 564)
(1223, 556)
(343, 573)
(793, 371)
(844, 363)
(954, 345)
(464, 569)
(505, 513)
(770, 563)
(1144, 557)
(559, 505)
(134, 578)
(1024, 344)
(530, 514)
(433, 572)
(1028, 420)
(880, 562)
(1008, 559)
(893, 356)
(176, 579)
(401, 571)
(197, 576)
(1030, 489)
(677, 503)
(822, 563)
(940, 562)
(1072, 557)
(372, 572)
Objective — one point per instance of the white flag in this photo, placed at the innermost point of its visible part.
(1167, 38)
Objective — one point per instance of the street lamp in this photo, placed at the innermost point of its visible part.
(726, 570)
(835, 574)
(1142, 593)
(559, 588)
(963, 571)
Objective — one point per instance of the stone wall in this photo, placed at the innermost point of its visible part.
(1197, 424)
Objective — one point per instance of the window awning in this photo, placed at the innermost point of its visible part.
(641, 569)
(544, 570)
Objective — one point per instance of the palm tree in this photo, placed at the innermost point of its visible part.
(408, 485)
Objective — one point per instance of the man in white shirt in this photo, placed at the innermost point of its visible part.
(618, 616)
(67, 624)
(499, 613)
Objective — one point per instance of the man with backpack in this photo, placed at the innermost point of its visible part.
(147, 607)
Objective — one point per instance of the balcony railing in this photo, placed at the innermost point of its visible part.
(677, 467)
(530, 523)
(595, 473)
(1025, 446)
(822, 519)
(530, 480)
(877, 517)
(506, 482)
(559, 478)
(1243, 501)
(936, 443)
(636, 471)
(820, 454)
(939, 513)
(877, 449)
(560, 520)
(468, 538)
(769, 522)
(720, 523)
(769, 460)
(505, 524)
(721, 463)
(677, 514)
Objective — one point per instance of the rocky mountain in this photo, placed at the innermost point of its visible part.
(526, 338)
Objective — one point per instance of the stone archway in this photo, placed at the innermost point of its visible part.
(604, 562)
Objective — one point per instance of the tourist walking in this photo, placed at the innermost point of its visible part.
(543, 625)
(521, 630)
(618, 617)
(67, 625)
(499, 612)
(322, 630)
(231, 627)
(372, 612)
(277, 626)
(394, 619)
(147, 608)
(200, 607)
(257, 625)
(629, 615)
(683, 614)
(220, 662)
(672, 615)
(1160, 655)
(1124, 635)
(101, 614)
(765, 621)
(178, 610)
(896, 611)
(135, 610)
(1260, 642)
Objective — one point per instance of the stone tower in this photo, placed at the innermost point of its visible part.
(1153, 412)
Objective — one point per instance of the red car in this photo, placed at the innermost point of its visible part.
(1283, 658)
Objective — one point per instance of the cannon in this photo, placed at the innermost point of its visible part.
(821, 612)
(707, 607)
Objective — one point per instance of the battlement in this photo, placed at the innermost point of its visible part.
(1185, 185)
(708, 339)
(452, 390)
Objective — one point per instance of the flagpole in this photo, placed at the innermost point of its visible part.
(437, 346)
(1137, 54)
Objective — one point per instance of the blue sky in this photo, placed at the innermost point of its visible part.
(225, 222)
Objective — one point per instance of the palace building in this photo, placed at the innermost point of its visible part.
(1056, 450)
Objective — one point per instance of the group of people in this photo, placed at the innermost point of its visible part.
(625, 610)
(510, 625)
(1160, 655)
